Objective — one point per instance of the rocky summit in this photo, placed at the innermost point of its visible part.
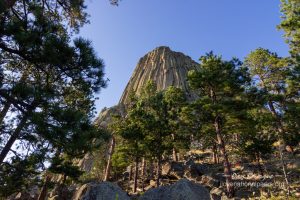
(163, 66)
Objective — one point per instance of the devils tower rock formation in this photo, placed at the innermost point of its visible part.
(162, 65)
(165, 67)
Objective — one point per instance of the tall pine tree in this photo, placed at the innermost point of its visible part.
(220, 85)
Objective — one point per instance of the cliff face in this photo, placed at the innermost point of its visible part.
(162, 65)
(165, 67)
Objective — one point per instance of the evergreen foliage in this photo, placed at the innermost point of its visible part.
(152, 125)
(270, 74)
(48, 81)
(221, 85)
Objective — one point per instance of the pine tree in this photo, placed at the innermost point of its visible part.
(257, 136)
(131, 130)
(19, 174)
(290, 17)
(48, 80)
(271, 74)
(150, 127)
(220, 84)
(175, 100)
(290, 25)
(43, 68)
(64, 167)
(159, 134)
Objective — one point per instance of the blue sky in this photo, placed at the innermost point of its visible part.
(123, 34)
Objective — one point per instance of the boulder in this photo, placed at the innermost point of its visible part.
(181, 190)
(30, 194)
(202, 168)
(166, 168)
(173, 170)
(188, 169)
(216, 193)
(100, 191)
(61, 192)
(189, 162)
(193, 170)
(149, 187)
(152, 183)
(210, 181)
(165, 181)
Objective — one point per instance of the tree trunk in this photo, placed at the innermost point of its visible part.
(143, 167)
(64, 179)
(44, 190)
(130, 172)
(179, 156)
(283, 164)
(175, 157)
(218, 156)
(110, 153)
(136, 172)
(257, 157)
(214, 149)
(103, 173)
(13, 138)
(158, 171)
(143, 172)
(236, 137)
(227, 167)
(151, 169)
(282, 145)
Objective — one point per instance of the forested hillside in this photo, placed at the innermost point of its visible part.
(214, 128)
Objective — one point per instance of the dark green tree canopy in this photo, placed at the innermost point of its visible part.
(48, 81)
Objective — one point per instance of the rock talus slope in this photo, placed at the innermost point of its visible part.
(181, 190)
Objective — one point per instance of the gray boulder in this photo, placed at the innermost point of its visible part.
(100, 191)
(181, 190)
(173, 170)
